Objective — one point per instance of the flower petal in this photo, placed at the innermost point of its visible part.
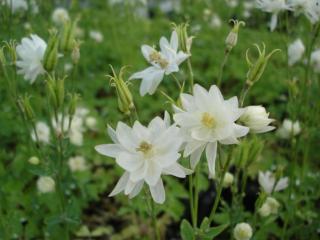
(120, 186)
(157, 192)
(211, 153)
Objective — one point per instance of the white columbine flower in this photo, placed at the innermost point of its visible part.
(274, 7)
(270, 206)
(43, 132)
(45, 184)
(206, 119)
(96, 35)
(257, 119)
(289, 129)
(145, 153)
(163, 63)
(242, 231)
(309, 8)
(295, 51)
(77, 163)
(17, 5)
(268, 182)
(30, 53)
(60, 15)
(315, 60)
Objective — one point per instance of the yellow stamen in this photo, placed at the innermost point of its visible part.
(208, 121)
(145, 148)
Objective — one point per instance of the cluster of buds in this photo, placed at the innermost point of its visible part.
(185, 41)
(125, 100)
(232, 38)
(67, 38)
(56, 91)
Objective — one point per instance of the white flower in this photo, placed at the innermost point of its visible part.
(96, 35)
(274, 7)
(309, 8)
(45, 184)
(295, 51)
(91, 123)
(168, 6)
(43, 132)
(77, 163)
(206, 119)
(228, 180)
(270, 206)
(289, 129)
(30, 53)
(268, 182)
(17, 5)
(145, 153)
(215, 21)
(60, 16)
(34, 160)
(163, 63)
(315, 60)
(257, 119)
(232, 3)
(242, 231)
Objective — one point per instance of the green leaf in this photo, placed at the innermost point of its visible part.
(211, 233)
(186, 230)
(205, 224)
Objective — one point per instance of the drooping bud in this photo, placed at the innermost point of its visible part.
(51, 54)
(75, 54)
(185, 42)
(125, 100)
(67, 37)
(232, 38)
(257, 68)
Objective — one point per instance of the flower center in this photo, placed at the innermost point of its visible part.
(208, 121)
(157, 58)
(145, 148)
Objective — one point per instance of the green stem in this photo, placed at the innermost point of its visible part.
(191, 75)
(223, 64)
(154, 221)
(191, 199)
(196, 195)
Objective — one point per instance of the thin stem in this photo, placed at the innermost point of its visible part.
(191, 199)
(196, 194)
(191, 75)
(154, 221)
(177, 81)
(223, 64)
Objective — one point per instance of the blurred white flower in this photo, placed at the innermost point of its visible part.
(43, 132)
(215, 21)
(232, 3)
(247, 8)
(274, 7)
(257, 119)
(242, 231)
(295, 51)
(206, 119)
(289, 129)
(168, 6)
(91, 123)
(315, 60)
(264, 210)
(68, 67)
(268, 182)
(60, 15)
(30, 54)
(270, 206)
(45, 184)
(309, 8)
(17, 5)
(34, 160)
(96, 35)
(77, 163)
(145, 153)
(163, 63)
(228, 180)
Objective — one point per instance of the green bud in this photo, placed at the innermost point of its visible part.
(232, 38)
(51, 53)
(25, 107)
(75, 54)
(125, 100)
(34, 160)
(60, 91)
(73, 103)
(185, 42)
(67, 36)
(55, 88)
(3, 59)
(256, 69)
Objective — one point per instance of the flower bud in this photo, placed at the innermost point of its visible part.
(67, 37)
(265, 210)
(75, 54)
(242, 231)
(25, 107)
(3, 60)
(34, 160)
(257, 119)
(50, 58)
(45, 184)
(73, 104)
(273, 205)
(232, 38)
(295, 52)
(55, 88)
(289, 128)
(227, 180)
(125, 100)
(185, 42)
(257, 68)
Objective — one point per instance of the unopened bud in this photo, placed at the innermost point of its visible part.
(3, 60)
(51, 53)
(55, 88)
(73, 104)
(75, 54)
(185, 42)
(232, 38)
(67, 38)
(125, 100)
(34, 160)
(25, 106)
(227, 180)
(257, 68)
(60, 91)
